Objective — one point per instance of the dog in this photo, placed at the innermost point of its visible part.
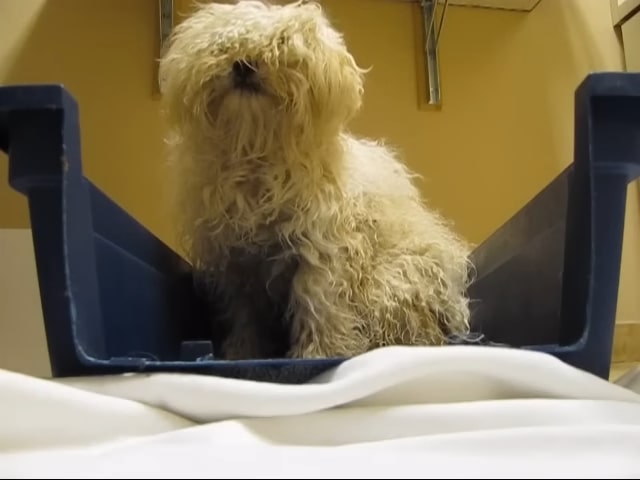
(309, 241)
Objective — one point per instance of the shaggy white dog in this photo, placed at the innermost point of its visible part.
(311, 242)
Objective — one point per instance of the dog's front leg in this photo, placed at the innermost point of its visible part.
(243, 340)
(254, 327)
(324, 320)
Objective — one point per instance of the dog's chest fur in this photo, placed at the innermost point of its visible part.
(267, 269)
(255, 275)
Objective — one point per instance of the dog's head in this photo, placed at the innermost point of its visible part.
(249, 75)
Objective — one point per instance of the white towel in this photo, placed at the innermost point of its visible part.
(419, 412)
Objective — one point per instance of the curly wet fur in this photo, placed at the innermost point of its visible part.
(311, 242)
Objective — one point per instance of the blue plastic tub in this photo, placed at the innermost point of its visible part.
(116, 299)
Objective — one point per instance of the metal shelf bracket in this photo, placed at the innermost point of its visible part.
(165, 27)
(165, 11)
(432, 30)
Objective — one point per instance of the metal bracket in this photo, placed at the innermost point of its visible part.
(432, 39)
(165, 27)
(165, 10)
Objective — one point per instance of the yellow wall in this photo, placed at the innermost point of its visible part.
(506, 127)
(103, 51)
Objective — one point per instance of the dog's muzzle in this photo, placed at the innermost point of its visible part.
(245, 76)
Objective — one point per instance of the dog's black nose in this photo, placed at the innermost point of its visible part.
(243, 71)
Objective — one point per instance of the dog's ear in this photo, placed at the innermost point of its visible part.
(343, 77)
(349, 85)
